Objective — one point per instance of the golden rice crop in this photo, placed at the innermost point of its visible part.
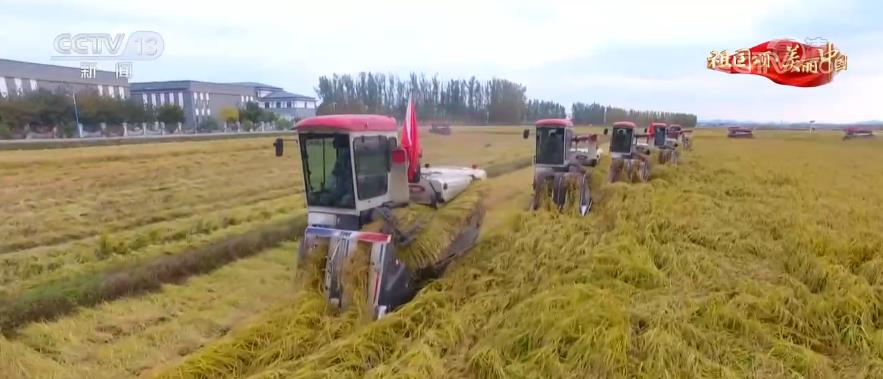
(753, 258)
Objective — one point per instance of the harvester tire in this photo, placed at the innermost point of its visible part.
(541, 190)
(615, 168)
(559, 190)
(643, 171)
(664, 156)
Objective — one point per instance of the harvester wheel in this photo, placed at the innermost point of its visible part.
(585, 199)
(632, 170)
(664, 156)
(543, 187)
(615, 168)
(559, 190)
(643, 171)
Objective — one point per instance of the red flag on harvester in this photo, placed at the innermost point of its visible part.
(785, 62)
(411, 142)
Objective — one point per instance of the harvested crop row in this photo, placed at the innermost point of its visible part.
(44, 264)
(722, 267)
(76, 207)
(63, 296)
(128, 337)
(126, 218)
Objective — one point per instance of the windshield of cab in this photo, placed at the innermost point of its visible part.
(328, 174)
(550, 145)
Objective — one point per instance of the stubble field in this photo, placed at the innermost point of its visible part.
(753, 258)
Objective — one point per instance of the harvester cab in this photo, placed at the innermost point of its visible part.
(665, 140)
(626, 154)
(357, 171)
(561, 162)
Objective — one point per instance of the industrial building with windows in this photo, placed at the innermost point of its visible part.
(201, 100)
(21, 78)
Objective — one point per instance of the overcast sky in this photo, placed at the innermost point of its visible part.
(638, 54)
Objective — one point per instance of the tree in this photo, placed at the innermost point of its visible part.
(247, 125)
(208, 125)
(284, 124)
(5, 131)
(458, 100)
(171, 115)
(229, 114)
(252, 112)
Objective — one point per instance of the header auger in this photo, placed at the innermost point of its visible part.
(739, 132)
(359, 178)
(853, 132)
(561, 162)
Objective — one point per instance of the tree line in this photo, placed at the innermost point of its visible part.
(454, 100)
(47, 110)
(595, 113)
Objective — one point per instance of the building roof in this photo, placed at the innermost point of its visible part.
(284, 95)
(47, 72)
(254, 84)
(554, 122)
(349, 123)
(194, 85)
(237, 88)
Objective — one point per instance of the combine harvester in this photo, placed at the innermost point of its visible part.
(560, 163)
(853, 132)
(360, 179)
(738, 132)
(684, 135)
(665, 140)
(627, 155)
(442, 129)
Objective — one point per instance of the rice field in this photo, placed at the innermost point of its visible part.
(89, 225)
(753, 258)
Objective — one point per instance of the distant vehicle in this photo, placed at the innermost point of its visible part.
(738, 132)
(443, 129)
(853, 132)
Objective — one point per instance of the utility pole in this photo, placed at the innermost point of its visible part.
(77, 116)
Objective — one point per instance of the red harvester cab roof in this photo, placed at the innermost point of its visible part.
(349, 123)
(655, 124)
(624, 124)
(554, 122)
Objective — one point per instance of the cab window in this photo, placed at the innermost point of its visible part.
(372, 166)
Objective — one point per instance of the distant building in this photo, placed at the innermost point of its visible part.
(289, 105)
(201, 100)
(20, 78)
